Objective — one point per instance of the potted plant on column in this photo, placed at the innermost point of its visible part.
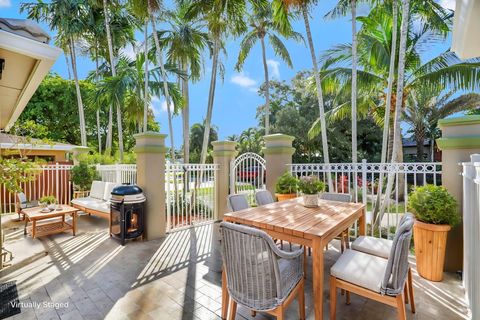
(310, 187)
(286, 187)
(436, 212)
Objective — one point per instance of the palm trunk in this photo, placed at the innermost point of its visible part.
(99, 134)
(387, 132)
(165, 82)
(397, 142)
(354, 82)
(145, 93)
(267, 88)
(83, 131)
(323, 126)
(211, 97)
(114, 73)
(186, 118)
(109, 140)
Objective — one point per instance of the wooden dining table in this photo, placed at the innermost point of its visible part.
(312, 227)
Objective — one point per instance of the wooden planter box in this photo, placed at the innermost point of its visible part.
(430, 241)
(283, 197)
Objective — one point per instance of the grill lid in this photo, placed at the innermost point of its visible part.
(125, 190)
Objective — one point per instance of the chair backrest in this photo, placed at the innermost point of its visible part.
(397, 266)
(97, 190)
(251, 265)
(108, 190)
(22, 200)
(263, 197)
(333, 196)
(237, 202)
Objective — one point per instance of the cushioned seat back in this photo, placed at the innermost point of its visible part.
(108, 190)
(397, 266)
(22, 199)
(97, 190)
(332, 196)
(237, 202)
(263, 197)
(251, 266)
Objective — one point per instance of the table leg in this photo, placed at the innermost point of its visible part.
(26, 224)
(34, 228)
(317, 262)
(225, 297)
(362, 223)
(74, 222)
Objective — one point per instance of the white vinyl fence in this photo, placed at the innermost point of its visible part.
(118, 173)
(50, 180)
(363, 181)
(471, 233)
(190, 194)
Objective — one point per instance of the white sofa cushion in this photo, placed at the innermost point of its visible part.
(108, 190)
(97, 190)
(101, 206)
(361, 269)
(87, 202)
(375, 246)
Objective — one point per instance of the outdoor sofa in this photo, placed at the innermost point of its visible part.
(98, 200)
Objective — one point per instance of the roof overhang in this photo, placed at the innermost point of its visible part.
(27, 62)
(28, 146)
(466, 29)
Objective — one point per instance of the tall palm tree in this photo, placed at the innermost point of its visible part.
(184, 41)
(262, 26)
(281, 8)
(68, 18)
(223, 17)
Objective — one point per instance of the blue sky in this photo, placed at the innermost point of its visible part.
(236, 99)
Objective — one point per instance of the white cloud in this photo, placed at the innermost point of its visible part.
(448, 4)
(129, 50)
(274, 68)
(5, 3)
(243, 80)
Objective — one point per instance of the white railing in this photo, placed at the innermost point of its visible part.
(362, 180)
(118, 173)
(247, 175)
(471, 233)
(190, 194)
(53, 179)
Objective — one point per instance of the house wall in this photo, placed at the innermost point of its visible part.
(57, 155)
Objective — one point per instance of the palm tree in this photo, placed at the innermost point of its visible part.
(224, 17)
(184, 41)
(281, 8)
(425, 106)
(262, 25)
(68, 19)
(197, 131)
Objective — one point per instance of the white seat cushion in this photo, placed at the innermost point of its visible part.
(87, 202)
(102, 207)
(97, 190)
(108, 190)
(375, 246)
(361, 269)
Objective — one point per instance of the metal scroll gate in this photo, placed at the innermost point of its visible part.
(247, 175)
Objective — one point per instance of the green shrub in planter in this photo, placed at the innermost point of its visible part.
(286, 184)
(311, 185)
(83, 176)
(433, 204)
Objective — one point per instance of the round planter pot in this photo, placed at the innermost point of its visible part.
(430, 241)
(287, 196)
(310, 200)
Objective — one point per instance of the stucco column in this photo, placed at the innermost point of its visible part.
(278, 153)
(150, 149)
(460, 138)
(223, 153)
(77, 151)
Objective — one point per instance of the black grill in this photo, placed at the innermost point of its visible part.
(127, 213)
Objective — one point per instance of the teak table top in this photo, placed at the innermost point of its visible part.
(291, 217)
(36, 214)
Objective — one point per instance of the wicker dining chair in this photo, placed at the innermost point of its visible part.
(373, 277)
(381, 248)
(259, 275)
(263, 197)
(341, 197)
(237, 202)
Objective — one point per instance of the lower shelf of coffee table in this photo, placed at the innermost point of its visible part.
(49, 228)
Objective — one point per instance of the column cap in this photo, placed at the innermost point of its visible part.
(466, 142)
(278, 137)
(224, 148)
(150, 142)
(459, 121)
(278, 144)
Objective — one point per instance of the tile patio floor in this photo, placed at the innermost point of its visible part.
(91, 276)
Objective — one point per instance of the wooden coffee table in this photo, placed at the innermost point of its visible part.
(53, 225)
